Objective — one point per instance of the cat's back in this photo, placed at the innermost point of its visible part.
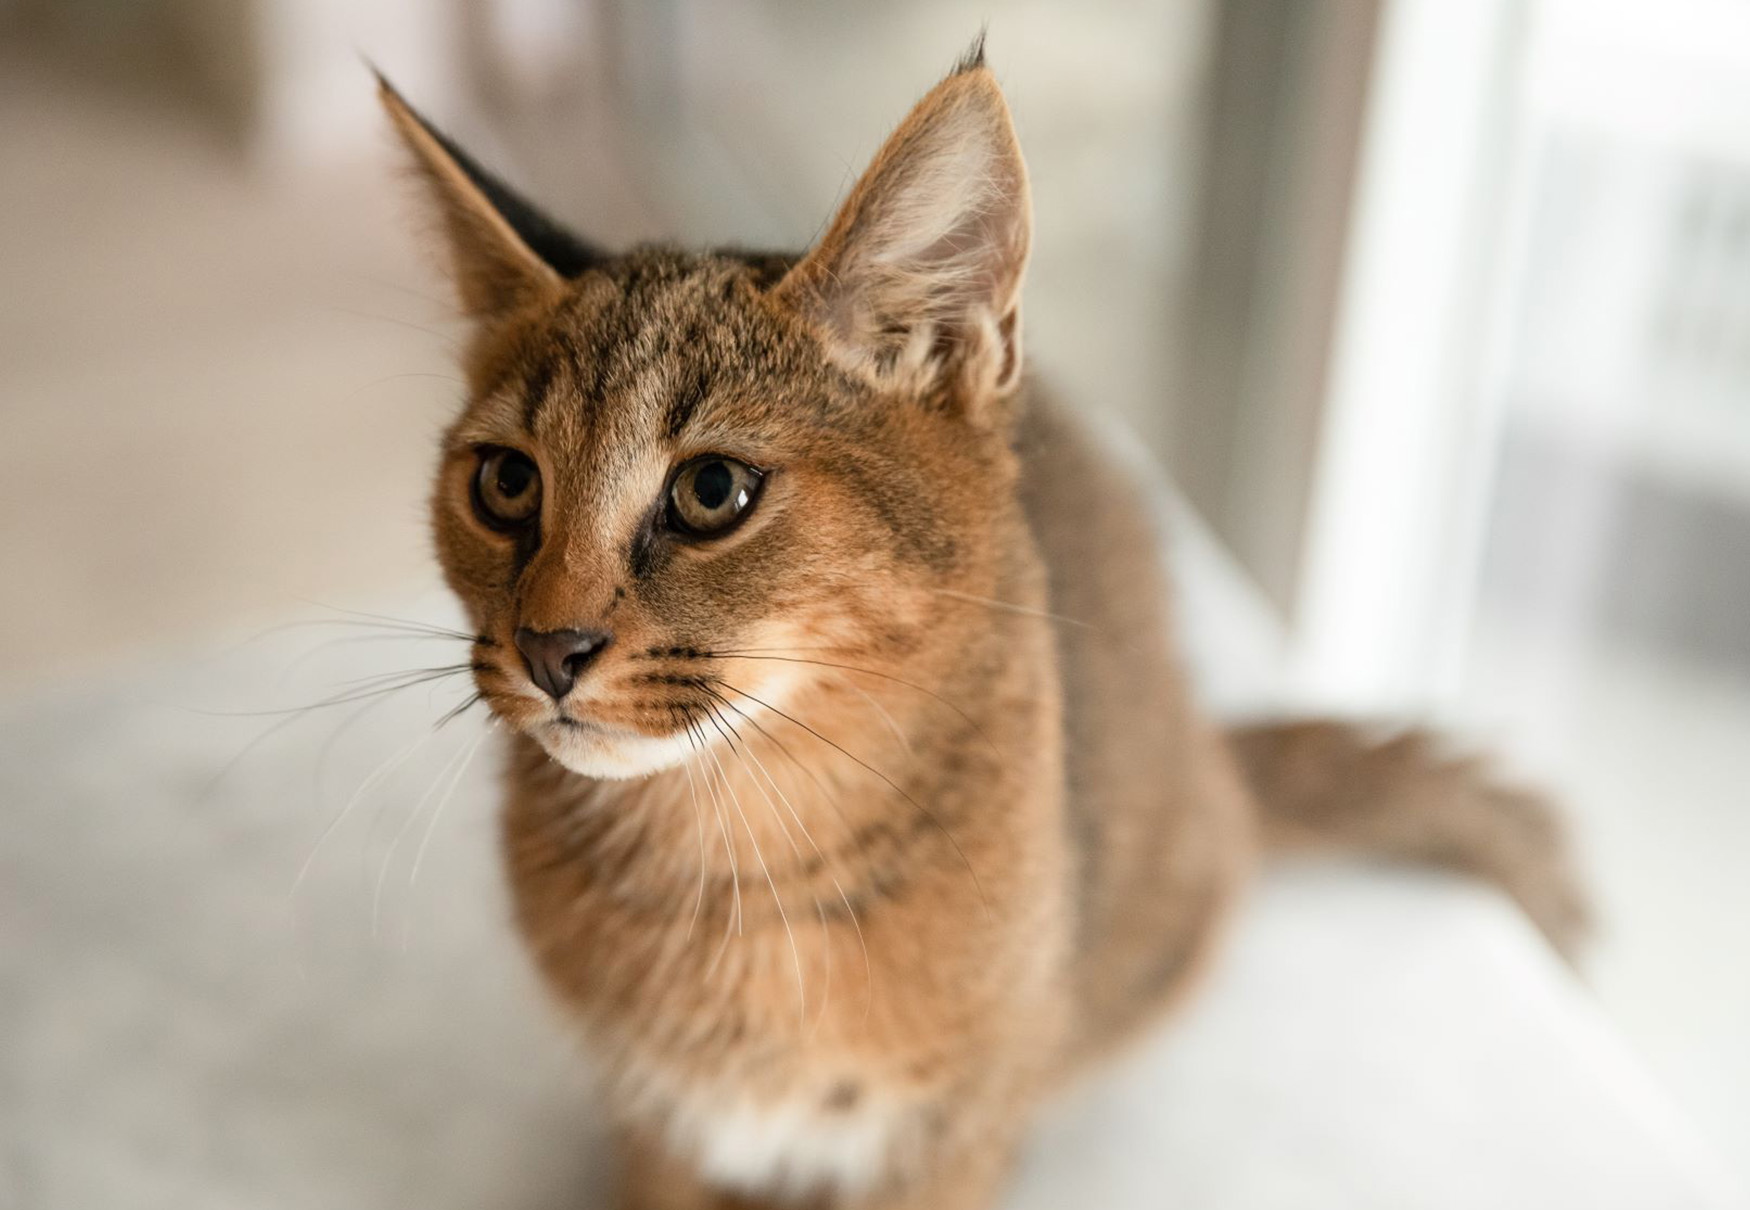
(1155, 812)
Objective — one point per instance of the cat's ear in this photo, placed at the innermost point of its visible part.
(917, 282)
(503, 251)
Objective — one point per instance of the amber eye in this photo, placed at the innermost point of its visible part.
(711, 494)
(507, 488)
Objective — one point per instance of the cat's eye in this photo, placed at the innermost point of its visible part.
(711, 494)
(507, 488)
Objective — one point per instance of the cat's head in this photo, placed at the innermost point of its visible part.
(682, 481)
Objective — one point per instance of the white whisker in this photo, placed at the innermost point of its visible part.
(732, 923)
(406, 824)
(826, 864)
(699, 820)
(777, 900)
(389, 766)
(431, 826)
(882, 711)
(1012, 607)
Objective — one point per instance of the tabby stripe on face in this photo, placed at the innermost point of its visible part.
(685, 403)
(535, 392)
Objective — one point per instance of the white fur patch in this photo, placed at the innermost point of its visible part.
(615, 757)
(624, 755)
(792, 1148)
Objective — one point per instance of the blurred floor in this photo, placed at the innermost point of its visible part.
(220, 390)
(1648, 752)
(230, 1001)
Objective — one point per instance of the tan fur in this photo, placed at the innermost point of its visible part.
(894, 807)
(497, 271)
(1327, 785)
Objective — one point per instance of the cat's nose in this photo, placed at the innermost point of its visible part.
(556, 658)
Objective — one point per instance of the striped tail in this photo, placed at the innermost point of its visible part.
(1329, 785)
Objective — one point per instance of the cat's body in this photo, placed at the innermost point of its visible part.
(854, 797)
(1104, 863)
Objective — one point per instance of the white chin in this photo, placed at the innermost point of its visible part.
(612, 756)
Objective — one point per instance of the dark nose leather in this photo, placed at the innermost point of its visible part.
(556, 658)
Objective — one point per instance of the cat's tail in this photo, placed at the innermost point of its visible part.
(1330, 785)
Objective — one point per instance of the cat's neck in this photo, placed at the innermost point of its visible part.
(865, 776)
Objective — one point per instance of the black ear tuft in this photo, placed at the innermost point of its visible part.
(568, 255)
(973, 59)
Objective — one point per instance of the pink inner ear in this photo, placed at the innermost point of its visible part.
(982, 259)
(920, 271)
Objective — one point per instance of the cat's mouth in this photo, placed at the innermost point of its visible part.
(665, 705)
(604, 750)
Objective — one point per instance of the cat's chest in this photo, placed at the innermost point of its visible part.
(759, 1097)
(807, 1134)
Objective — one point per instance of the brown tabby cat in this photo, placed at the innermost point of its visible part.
(854, 793)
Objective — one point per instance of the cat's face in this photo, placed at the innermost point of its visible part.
(684, 486)
(666, 462)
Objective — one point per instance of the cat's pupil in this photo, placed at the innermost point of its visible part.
(712, 484)
(514, 475)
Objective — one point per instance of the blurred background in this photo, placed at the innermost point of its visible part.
(1437, 312)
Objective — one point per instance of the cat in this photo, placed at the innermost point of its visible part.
(854, 796)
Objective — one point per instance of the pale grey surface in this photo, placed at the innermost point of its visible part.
(1378, 1040)
(178, 1028)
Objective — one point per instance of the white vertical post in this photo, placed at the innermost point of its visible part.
(1395, 471)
